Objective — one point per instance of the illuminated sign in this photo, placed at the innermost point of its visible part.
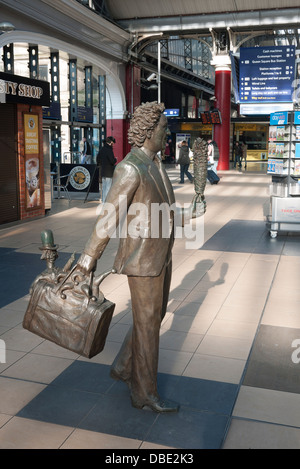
(205, 117)
(16, 89)
(215, 117)
(267, 74)
(171, 112)
(211, 117)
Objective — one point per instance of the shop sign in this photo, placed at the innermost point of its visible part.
(297, 118)
(279, 118)
(80, 178)
(246, 127)
(17, 89)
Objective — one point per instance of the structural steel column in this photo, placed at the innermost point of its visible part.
(223, 103)
(54, 74)
(33, 61)
(8, 58)
(102, 108)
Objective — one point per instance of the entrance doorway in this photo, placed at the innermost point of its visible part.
(9, 198)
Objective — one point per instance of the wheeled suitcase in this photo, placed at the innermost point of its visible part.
(212, 177)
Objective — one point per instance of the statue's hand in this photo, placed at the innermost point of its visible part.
(86, 264)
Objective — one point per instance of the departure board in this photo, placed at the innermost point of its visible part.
(205, 117)
(211, 117)
(215, 117)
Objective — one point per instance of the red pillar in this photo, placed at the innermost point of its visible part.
(223, 103)
(115, 128)
(133, 97)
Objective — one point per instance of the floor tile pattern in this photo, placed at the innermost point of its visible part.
(228, 347)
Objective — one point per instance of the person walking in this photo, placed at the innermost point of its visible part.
(106, 162)
(213, 155)
(139, 179)
(86, 156)
(244, 153)
(238, 153)
(184, 162)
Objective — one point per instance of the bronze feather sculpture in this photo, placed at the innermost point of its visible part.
(200, 176)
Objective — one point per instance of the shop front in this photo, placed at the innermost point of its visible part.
(21, 147)
(188, 130)
(255, 136)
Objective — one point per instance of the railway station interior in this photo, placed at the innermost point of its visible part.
(229, 352)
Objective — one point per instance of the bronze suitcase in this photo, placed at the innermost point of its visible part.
(68, 308)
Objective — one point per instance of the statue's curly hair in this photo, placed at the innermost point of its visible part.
(143, 122)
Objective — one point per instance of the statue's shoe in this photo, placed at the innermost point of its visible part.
(161, 406)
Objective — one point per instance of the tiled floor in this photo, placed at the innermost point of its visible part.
(230, 341)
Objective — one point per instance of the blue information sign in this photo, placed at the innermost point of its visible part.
(267, 74)
(171, 112)
(84, 114)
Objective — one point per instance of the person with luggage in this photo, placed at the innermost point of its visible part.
(212, 162)
(213, 155)
(184, 162)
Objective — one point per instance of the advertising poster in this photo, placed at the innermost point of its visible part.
(280, 133)
(297, 168)
(279, 150)
(275, 166)
(272, 133)
(297, 150)
(32, 160)
(272, 150)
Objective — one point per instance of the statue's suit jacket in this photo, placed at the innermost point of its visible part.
(138, 180)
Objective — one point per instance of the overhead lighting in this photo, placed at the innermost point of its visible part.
(5, 27)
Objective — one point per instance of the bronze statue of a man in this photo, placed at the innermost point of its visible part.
(140, 179)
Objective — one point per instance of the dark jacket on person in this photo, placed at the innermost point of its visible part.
(106, 161)
(184, 157)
